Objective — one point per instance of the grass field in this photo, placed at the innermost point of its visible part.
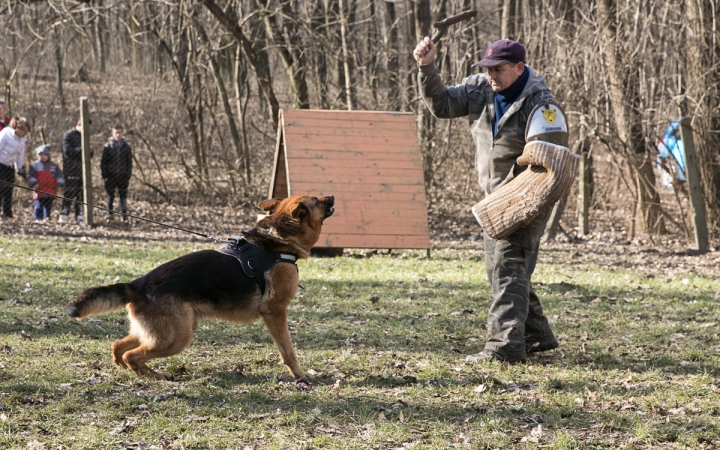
(386, 335)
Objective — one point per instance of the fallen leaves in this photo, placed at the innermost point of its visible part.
(330, 428)
(535, 435)
(125, 426)
(196, 418)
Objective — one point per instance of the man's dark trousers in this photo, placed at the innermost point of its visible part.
(515, 315)
(7, 174)
(73, 191)
(121, 185)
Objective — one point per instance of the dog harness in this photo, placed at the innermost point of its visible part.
(255, 261)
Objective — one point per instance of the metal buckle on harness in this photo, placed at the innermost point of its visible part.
(235, 239)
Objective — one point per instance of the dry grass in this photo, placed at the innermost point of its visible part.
(637, 367)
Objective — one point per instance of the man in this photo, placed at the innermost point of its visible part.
(499, 104)
(116, 167)
(73, 172)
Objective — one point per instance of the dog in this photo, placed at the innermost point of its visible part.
(166, 304)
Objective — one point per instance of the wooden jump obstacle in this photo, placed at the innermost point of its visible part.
(370, 162)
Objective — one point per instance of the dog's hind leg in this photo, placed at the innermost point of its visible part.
(121, 346)
(159, 337)
(135, 359)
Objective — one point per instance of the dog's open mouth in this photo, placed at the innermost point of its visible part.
(329, 205)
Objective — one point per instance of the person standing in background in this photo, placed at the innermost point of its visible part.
(45, 176)
(73, 173)
(116, 168)
(12, 160)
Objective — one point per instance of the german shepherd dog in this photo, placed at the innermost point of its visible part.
(166, 304)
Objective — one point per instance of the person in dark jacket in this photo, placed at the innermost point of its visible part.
(45, 176)
(501, 104)
(116, 168)
(73, 172)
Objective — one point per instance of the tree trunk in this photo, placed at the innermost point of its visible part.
(319, 25)
(702, 90)
(347, 63)
(372, 69)
(222, 92)
(508, 20)
(624, 98)
(100, 36)
(425, 122)
(240, 76)
(287, 42)
(393, 66)
(230, 23)
(59, 65)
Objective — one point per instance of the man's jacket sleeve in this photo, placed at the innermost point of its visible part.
(104, 161)
(32, 176)
(542, 97)
(444, 102)
(128, 160)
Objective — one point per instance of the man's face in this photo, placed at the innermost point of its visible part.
(502, 76)
(44, 157)
(117, 134)
(79, 126)
(3, 111)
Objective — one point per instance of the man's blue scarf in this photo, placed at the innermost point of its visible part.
(505, 98)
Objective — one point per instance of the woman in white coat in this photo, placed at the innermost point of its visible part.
(12, 159)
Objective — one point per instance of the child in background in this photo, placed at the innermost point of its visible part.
(45, 176)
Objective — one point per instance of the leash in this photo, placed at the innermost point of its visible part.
(207, 236)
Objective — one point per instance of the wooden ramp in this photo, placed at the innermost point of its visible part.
(370, 162)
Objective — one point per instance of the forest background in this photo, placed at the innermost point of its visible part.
(198, 85)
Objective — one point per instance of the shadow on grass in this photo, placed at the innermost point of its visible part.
(439, 323)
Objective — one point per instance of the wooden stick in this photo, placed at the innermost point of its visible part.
(443, 25)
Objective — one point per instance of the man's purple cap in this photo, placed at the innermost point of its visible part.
(501, 52)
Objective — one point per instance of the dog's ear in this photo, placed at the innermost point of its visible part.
(305, 206)
(269, 205)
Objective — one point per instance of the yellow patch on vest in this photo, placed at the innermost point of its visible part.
(549, 115)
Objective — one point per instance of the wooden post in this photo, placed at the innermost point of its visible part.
(585, 189)
(694, 188)
(87, 167)
(580, 146)
(554, 220)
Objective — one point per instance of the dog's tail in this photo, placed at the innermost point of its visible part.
(103, 299)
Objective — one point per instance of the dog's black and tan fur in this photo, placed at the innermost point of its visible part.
(166, 304)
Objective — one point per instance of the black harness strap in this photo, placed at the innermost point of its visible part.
(255, 261)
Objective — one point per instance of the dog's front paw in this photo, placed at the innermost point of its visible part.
(304, 375)
(164, 376)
